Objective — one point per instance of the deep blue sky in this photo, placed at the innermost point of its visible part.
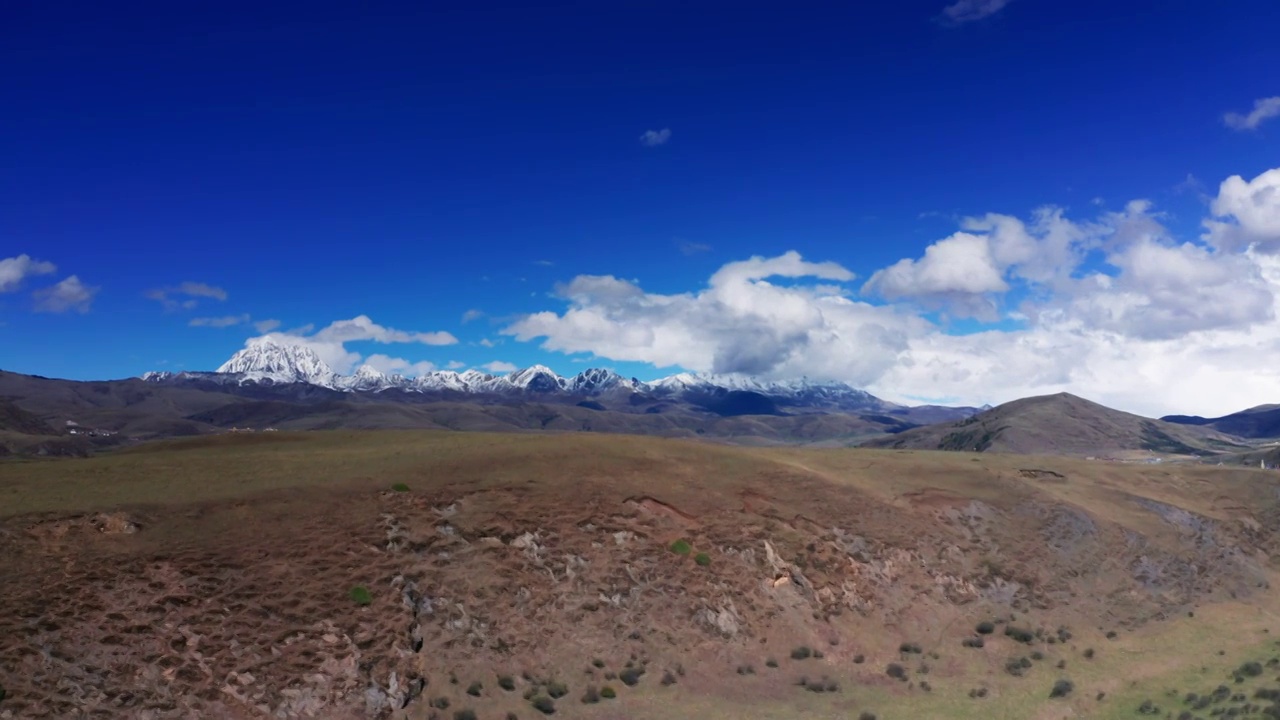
(412, 161)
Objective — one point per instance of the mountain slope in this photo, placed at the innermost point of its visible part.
(1061, 424)
(1262, 421)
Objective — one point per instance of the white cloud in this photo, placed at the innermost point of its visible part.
(498, 366)
(654, 138)
(1247, 212)
(266, 326)
(15, 269)
(486, 342)
(965, 11)
(70, 294)
(543, 263)
(186, 295)
(219, 322)
(329, 343)
(398, 366)
(1263, 109)
(959, 272)
(456, 365)
(471, 315)
(1111, 308)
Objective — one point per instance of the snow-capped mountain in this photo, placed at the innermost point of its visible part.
(268, 363)
(280, 363)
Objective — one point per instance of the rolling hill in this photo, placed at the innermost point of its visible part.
(1063, 424)
(1258, 422)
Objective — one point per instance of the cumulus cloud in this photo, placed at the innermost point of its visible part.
(654, 138)
(1111, 307)
(965, 11)
(1263, 109)
(70, 294)
(219, 322)
(330, 343)
(1246, 213)
(186, 295)
(16, 269)
(398, 366)
(499, 366)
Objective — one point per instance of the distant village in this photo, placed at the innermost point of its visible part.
(74, 428)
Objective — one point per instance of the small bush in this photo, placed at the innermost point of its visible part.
(702, 559)
(925, 686)
(464, 715)
(608, 693)
(401, 487)
(667, 679)
(631, 676)
(440, 703)
(801, 653)
(896, 671)
(746, 670)
(1148, 708)
(557, 690)
(1112, 634)
(1088, 653)
(591, 696)
(1250, 669)
(681, 547)
(1061, 689)
(771, 663)
(985, 628)
(506, 682)
(1037, 656)
(974, 642)
(1026, 637)
(544, 705)
(474, 689)
(859, 659)
(598, 663)
(867, 716)
(817, 654)
(360, 595)
(909, 648)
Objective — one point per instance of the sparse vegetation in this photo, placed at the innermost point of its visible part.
(464, 715)
(681, 547)
(702, 559)
(557, 690)
(544, 705)
(591, 696)
(360, 595)
(910, 648)
(506, 682)
(631, 676)
(771, 663)
(1061, 689)
(401, 487)
(985, 628)
(896, 671)
(608, 693)
(475, 688)
(801, 653)
(1026, 637)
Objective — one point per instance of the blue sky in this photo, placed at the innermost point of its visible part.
(406, 162)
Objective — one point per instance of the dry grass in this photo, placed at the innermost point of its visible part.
(251, 543)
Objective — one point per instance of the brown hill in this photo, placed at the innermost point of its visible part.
(433, 574)
(1062, 424)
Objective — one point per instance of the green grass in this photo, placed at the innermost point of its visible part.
(360, 595)
(400, 487)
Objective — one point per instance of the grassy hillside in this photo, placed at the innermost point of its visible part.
(1063, 424)
(216, 576)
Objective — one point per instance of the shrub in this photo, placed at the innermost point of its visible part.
(1037, 656)
(557, 690)
(985, 628)
(667, 679)
(1026, 637)
(771, 663)
(973, 642)
(1112, 634)
(360, 595)
(910, 647)
(746, 670)
(474, 689)
(506, 682)
(544, 705)
(801, 653)
(440, 703)
(608, 693)
(598, 663)
(1088, 653)
(925, 686)
(1250, 669)
(401, 487)
(859, 659)
(591, 696)
(867, 716)
(1061, 689)
(464, 715)
(702, 559)
(817, 654)
(1061, 664)
(631, 676)
(681, 547)
(1148, 708)
(896, 671)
